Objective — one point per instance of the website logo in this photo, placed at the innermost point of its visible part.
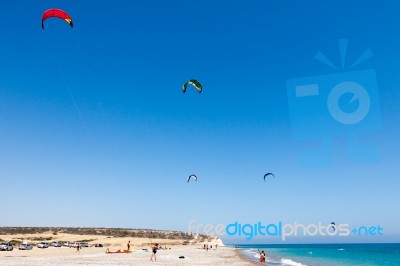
(282, 231)
(344, 103)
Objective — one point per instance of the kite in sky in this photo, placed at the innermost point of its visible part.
(56, 13)
(194, 83)
(192, 177)
(267, 174)
(333, 226)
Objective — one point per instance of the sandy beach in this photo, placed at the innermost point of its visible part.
(171, 250)
(97, 256)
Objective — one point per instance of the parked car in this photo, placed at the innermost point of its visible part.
(98, 245)
(66, 244)
(43, 245)
(25, 246)
(56, 244)
(6, 247)
(84, 245)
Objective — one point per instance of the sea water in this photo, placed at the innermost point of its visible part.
(326, 254)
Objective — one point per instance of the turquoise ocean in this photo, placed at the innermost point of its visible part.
(326, 254)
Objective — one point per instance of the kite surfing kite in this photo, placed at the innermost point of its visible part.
(194, 83)
(267, 174)
(333, 226)
(192, 177)
(120, 251)
(56, 13)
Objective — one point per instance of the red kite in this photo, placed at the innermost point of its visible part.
(56, 13)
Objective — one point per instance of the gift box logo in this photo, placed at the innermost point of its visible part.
(345, 103)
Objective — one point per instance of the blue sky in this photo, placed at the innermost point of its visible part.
(95, 130)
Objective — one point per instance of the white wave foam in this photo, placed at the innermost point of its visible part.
(291, 263)
(251, 253)
(341, 249)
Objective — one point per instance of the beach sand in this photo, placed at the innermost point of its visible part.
(97, 256)
(194, 254)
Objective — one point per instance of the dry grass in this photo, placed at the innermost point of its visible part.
(112, 232)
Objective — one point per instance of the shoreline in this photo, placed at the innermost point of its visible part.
(243, 257)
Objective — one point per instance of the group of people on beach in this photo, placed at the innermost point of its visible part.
(154, 248)
(205, 246)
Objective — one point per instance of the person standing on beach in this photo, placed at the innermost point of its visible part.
(154, 250)
(129, 245)
(78, 247)
(262, 256)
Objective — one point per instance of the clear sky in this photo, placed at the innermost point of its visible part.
(95, 129)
